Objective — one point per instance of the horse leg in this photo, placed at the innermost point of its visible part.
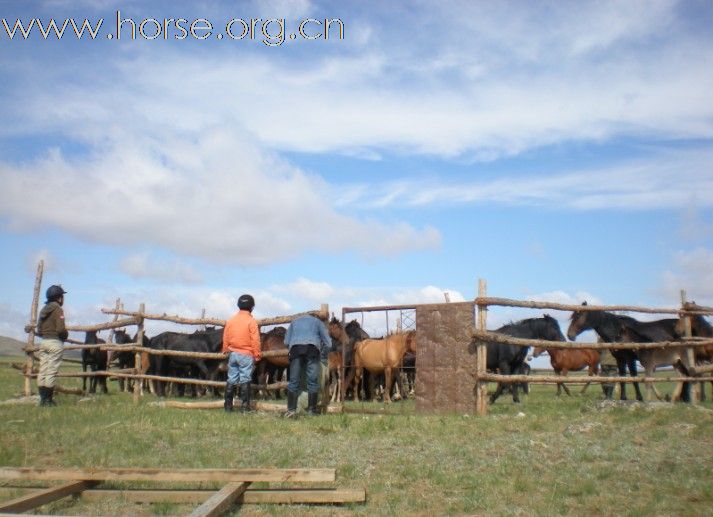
(621, 365)
(563, 373)
(388, 381)
(632, 369)
(356, 379)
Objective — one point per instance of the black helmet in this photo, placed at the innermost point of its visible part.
(246, 302)
(54, 292)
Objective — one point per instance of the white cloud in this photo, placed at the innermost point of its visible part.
(143, 265)
(672, 179)
(692, 271)
(218, 197)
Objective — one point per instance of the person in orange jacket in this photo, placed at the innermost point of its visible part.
(241, 339)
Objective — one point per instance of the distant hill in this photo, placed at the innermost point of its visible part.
(11, 346)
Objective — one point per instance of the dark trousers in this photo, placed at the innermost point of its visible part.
(304, 357)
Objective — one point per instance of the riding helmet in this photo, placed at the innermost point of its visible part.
(54, 292)
(246, 302)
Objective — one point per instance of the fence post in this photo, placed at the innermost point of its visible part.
(31, 328)
(481, 387)
(690, 354)
(138, 385)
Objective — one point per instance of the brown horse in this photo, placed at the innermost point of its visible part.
(380, 355)
(272, 369)
(570, 360)
(347, 336)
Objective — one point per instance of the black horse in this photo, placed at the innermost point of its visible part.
(509, 359)
(127, 359)
(95, 360)
(613, 328)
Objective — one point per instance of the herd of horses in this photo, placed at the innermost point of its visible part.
(390, 361)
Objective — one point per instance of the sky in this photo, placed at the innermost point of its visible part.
(561, 151)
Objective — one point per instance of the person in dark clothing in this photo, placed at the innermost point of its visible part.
(306, 338)
(51, 328)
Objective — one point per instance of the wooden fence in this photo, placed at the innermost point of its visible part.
(482, 377)
(141, 352)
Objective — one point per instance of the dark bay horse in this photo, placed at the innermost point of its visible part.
(507, 359)
(613, 328)
(565, 360)
(347, 336)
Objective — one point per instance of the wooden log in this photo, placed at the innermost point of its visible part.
(506, 302)
(103, 326)
(220, 501)
(218, 404)
(558, 379)
(46, 496)
(158, 474)
(690, 354)
(182, 380)
(379, 308)
(481, 389)
(33, 324)
(138, 386)
(251, 495)
(278, 320)
(502, 338)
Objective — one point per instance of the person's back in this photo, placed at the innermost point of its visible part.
(241, 340)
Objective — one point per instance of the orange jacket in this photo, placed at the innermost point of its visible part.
(242, 335)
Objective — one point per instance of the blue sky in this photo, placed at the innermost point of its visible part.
(561, 151)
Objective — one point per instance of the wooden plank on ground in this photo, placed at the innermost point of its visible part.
(190, 475)
(251, 495)
(44, 496)
(220, 501)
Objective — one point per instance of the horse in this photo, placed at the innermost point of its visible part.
(609, 328)
(409, 364)
(348, 336)
(508, 359)
(96, 360)
(654, 331)
(272, 368)
(128, 359)
(377, 356)
(565, 360)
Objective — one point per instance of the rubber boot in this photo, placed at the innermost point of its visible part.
(245, 395)
(48, 397)
(229, 394)
(291, 405)
(312, 403)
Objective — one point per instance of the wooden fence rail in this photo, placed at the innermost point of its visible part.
(488, 336)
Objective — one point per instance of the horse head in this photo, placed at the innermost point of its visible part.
(579, 322)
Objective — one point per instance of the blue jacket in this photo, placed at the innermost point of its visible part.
(308, 330)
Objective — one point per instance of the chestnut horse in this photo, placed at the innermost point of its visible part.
(565, 360)
(272, 369)
(380, 355)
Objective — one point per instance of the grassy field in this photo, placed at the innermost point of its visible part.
(546, 456)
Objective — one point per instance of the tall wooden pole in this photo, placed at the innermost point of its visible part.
(138, 385)
(32, 326)
(204, 326)
(690, 354)
(481, 387)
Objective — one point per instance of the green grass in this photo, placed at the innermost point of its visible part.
(566, 456)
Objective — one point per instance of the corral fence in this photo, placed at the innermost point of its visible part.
(142, 353)
(448, 378)
(483, 336)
